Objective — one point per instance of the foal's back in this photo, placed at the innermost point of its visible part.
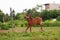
(36, 20)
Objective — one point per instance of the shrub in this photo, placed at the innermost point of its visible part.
(8, 24)
(21, 25)
(58, 18)
(4, 27)
(16, 22)
(0, 23)
(25, 24)
(50, 24)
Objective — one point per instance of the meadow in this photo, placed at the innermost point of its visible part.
(49, 33)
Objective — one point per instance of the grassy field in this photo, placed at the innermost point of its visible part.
(49, 33)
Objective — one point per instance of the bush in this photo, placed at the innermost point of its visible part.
(51, 24)
(4, 27)
(8, 24)
(0, 23)
(58, 18)
(25, 24)
(51, 14)
(22, 25)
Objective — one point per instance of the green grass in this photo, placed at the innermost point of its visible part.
(49, 33)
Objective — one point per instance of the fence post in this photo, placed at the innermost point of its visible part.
(11, 15)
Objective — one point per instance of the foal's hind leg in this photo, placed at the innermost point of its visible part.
(41, 26)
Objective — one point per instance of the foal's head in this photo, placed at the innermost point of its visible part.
(28, 17)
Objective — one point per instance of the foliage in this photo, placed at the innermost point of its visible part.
(7, 18)
(4, 27)
(4, 17)
(50, 23)
(17, 23)
(1, 15)
(50, 14)
(58, 18)
(33, 12)
(20, 16)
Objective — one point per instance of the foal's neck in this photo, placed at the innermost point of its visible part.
(30, 19)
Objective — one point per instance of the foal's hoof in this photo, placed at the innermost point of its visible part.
(41, 30)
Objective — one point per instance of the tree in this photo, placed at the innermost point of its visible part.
(17, 17)
(20, 16)
(7, 17)
(2, 16)
(51, 14)
(24, 10)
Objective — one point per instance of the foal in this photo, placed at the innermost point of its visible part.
(33, 21)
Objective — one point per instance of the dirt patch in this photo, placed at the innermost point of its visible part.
(4, 31)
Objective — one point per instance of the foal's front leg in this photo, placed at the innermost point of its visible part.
(27, 28)
(41, 27)
(30, 28)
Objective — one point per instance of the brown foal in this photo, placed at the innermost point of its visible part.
(33, 21)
